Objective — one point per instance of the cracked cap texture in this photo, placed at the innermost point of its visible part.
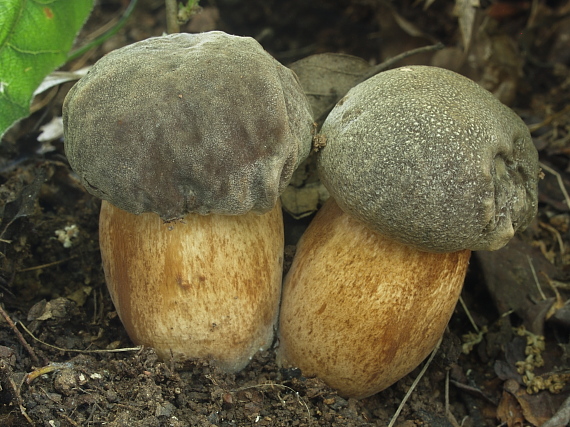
(206, 123)
(429, 158)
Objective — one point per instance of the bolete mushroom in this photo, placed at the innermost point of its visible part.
(189, 139)
(425, 166)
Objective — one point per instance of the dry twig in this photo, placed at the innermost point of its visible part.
(414, 384)
(76, 350)
(6, 380)
(21, 338)
(559, 180)
(391, 61)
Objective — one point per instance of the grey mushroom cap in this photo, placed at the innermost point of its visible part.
(429, 158)
(206, 123)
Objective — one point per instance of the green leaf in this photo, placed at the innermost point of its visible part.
(35, 38)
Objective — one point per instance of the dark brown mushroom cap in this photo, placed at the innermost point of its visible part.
(431, 159)
(206, 123)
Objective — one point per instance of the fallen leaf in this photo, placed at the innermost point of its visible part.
(509, 411)
(327, 77)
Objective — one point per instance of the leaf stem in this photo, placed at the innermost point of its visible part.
(99, 40)
(391, 61)
(172, 25)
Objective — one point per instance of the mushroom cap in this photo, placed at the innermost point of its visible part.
(431, 159)
(206, 123)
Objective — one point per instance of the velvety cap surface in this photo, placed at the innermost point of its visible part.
(426, 156)
(206, 123)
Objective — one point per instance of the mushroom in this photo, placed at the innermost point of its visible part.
(423, 167)
(189, 139)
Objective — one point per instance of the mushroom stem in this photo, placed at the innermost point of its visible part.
(201, 287)
(360, 310)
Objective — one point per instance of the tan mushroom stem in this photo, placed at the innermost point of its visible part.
(360, 310)
(205, 286)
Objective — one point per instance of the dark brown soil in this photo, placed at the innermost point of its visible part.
(65, 360)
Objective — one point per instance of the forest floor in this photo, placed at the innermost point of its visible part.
(66, 359)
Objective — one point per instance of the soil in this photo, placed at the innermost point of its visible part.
(65, 359)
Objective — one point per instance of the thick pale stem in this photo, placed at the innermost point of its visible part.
(201, 287)
(359, 310)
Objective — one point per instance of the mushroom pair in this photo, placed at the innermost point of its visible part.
(189, 139)
(423, 167)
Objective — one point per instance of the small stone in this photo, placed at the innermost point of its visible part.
(65, 381)
(111, 396)
(165, 410)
